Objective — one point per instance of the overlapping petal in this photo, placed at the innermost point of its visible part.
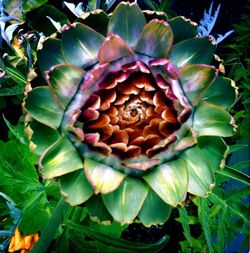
(133, 116)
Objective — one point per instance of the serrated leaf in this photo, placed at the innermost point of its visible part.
(22, 185)
(51, 227)
(117, 243)
(205, 222)
(17, 131)
(221, 235)
(232, 204)
(234, 174)
(185, 224)
(241, 165)
(208, 21)
(16, 75)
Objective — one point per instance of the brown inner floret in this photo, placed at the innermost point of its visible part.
(131, 117)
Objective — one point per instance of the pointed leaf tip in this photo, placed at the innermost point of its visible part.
(156, 39)
(125, 202)
(80, 45)
(113, 48)
(75, 187)
(195, 79)
(170, 181)
(192, 51)
(64, 81)
(60, 158)
(127, 21)
(103, 178)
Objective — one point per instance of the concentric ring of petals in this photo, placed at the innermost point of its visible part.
(133, 110)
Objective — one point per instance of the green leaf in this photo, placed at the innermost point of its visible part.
(97, 19)
(201, 177)
(241, 165)
(185, 224)
(195, 79)
(98, 211)
(154, 210)
(205, 222)
(152, 4)
(210, 119)
(80, 45)
(234, 174)
(19, 157)
(127, 21)
(75, 187)
(60, 158)
(22, 184)
(182, 28)
(103, 179)
(192, 51)
(117, 244)
(121, 202)
(42, 136)
(51, 47)
(216, 92)
(29, 5)
(169, 181)
(12, 91)
(221, 235)
(155, 40)
(150, 15)
(18, 131)
(236, 147)
(38, 19)
(43, 108)
(215, 150)
(16, 75)
(64, 81)
(113, 49)
(231, 202)
(50, 230)
(113, 229)
(35, 203)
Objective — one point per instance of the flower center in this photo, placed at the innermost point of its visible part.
(131, 113)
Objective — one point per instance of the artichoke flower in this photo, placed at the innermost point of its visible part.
(132, 116)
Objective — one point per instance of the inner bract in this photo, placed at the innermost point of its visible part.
(133, 111)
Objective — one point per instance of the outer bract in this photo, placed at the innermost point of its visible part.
(131, 122)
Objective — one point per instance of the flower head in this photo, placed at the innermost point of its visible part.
(133, 117)
(23, 243)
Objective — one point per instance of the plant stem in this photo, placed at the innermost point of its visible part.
(49, 232)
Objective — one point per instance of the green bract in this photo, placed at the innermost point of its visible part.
(133, 115)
